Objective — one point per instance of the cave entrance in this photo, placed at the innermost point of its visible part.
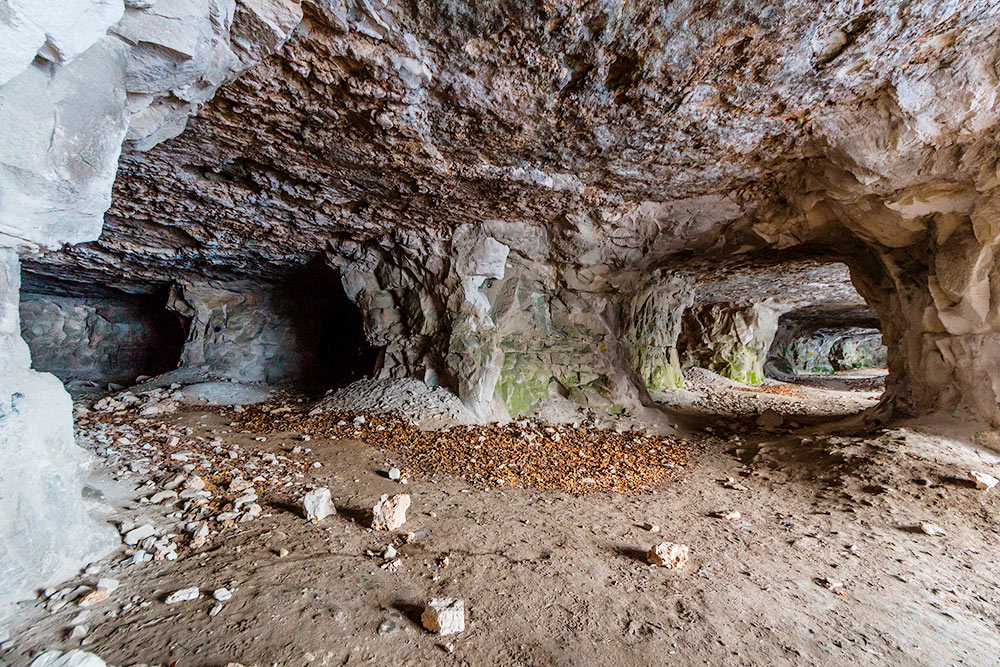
(329, 329)
(90, 336)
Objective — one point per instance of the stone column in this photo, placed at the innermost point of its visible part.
(653, 325)
(45, 530)
(730, 339)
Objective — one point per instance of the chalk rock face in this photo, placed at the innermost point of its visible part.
(45, 530)
(56, 30)
(64, 117)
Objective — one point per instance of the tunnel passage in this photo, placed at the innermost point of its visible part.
(330, 328)
(89, 334)
(301, 331)
(826, 339)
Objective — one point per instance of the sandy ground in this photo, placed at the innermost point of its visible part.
(827, 564)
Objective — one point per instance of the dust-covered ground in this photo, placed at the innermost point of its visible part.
(828, 562)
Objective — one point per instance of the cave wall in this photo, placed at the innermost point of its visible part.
(45, 531)
(730, 339)
(100, 339)
(826, 350)
(76, 81)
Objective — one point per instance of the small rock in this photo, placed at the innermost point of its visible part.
(162, 496)
(389, 553)
(394, 474)
(730, 516)
(389, 513)
(137, 535)
(445, 616)
(318, 504)
(359, 419)
(669, 555)
(282, 552)
(78, 633)
(107, 584)
(93, 597)
(216, 608)
(74, 658)
(982, 480)
(386, 627)
(183, 595)
(931, 528)
(194, 482)
(770, 419)
(222, 594)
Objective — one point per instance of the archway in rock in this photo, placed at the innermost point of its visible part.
(91, 336)
(829, 346)
(744, 338)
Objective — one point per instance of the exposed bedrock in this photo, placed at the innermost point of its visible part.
(939, 304)
(45, 530)
(101, 339)
(77, 79)
(730, 339)
(826, 338)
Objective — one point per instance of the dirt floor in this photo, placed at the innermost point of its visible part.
(826, 564)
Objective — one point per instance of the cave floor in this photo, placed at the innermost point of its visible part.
(826, 564)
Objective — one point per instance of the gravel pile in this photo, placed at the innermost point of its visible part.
(410, 399)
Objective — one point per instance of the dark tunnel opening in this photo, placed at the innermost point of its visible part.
(91, 335)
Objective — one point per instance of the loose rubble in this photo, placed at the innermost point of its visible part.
(579, 458)
(318, 504)
(389, 512)
(669, 555)
(445, 616)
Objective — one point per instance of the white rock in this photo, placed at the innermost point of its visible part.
(389, 553)
(222, 594)
(137, 535)
(389, 513)
(931, 528)
(318, 504)
(194, 482)
(183, 595)
(107, 584)
(982, 480)
(445, 616)
(669, 555)
(394, 474)
(141, 557)
(161, 496)
(73, 658)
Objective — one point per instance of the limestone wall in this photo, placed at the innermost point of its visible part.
(100, 339)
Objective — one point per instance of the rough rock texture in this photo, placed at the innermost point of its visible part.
(69, 90)
(827, 338)
(598, 143)
(730, 339)
(100, 339)
(66, 114)
(45, 531)
(506, 188)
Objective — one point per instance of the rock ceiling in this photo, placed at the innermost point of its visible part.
(637, 131)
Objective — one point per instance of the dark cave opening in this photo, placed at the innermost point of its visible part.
(329, 329)
(87, 334)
